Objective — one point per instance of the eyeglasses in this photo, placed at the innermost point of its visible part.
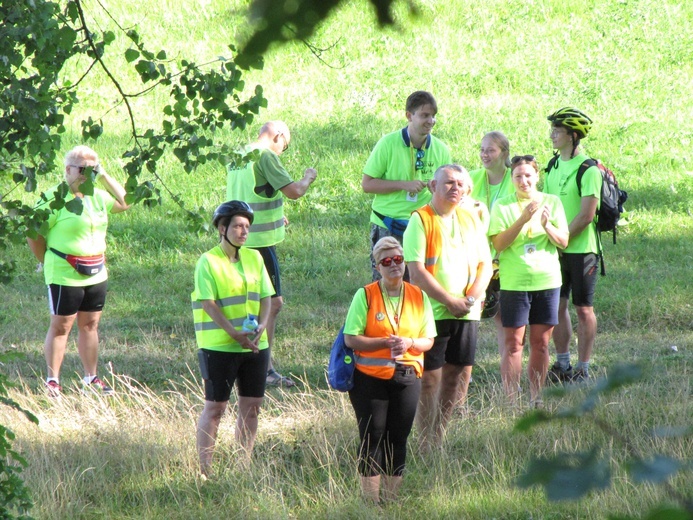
(419, 156)
(518, 158)
(286, 143)
(387, 261)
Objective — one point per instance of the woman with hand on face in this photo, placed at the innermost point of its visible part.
(390, 325)
(527, 229)
(493, 182)
(232, 288)
(72, 252)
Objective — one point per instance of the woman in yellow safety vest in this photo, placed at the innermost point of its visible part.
(231, 304)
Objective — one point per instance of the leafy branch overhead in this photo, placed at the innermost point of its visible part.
(285, 20)
(37, 39)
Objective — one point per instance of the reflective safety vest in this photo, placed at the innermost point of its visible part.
(238, 294)
(268, 222)
(434, 235)
(379, 363)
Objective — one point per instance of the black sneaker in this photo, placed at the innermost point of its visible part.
(100, 387)
(579, 376)
(557, 374)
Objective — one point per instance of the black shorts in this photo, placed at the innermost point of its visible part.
(520, 308)
(579, 272)
(220, 370)
(269, 255)
(454, 344)
(64, 300)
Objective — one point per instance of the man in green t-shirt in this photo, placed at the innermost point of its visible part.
(449, 258)
(579, 259)
(399, 169)
(263, 184)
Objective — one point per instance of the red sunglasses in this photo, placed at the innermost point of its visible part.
(387, 261)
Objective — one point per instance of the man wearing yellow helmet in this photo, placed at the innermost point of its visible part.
(579, 259)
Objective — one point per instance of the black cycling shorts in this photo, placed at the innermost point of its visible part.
(220, 370)
(64, 300)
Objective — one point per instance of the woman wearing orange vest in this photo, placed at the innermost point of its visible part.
(390, 325)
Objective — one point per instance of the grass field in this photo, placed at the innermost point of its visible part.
(493, 65)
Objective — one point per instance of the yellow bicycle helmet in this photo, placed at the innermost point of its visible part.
(573, 119)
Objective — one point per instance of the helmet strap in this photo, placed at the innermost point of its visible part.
(576, 143)
(237, 248)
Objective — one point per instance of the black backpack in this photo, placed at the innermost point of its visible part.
(610, 201)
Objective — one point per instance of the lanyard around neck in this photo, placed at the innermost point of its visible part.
(394, 313)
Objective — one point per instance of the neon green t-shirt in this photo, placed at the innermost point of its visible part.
(237, 281)
(394, 160)
(355, 323)
(561, 181)
(530, 263)
(490, 193)
(80, 235)
(270, 174)
(463, 249)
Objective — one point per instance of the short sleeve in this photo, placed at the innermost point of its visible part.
(414, 240)
(591, 183)
(355, 323)
(205, 287)
(272, 171)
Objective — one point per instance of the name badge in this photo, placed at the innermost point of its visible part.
(412, 197)
(530, 249)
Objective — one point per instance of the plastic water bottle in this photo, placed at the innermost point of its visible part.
(250, 324)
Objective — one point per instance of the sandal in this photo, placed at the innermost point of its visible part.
(274, 378)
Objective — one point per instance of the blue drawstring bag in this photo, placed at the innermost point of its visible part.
(340, 370)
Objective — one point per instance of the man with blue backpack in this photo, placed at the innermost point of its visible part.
(580, 259)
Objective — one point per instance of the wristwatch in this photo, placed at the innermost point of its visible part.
(471, 300)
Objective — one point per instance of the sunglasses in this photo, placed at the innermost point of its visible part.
(419, 162)
(518, 158)
(387, 261)
(81, 169)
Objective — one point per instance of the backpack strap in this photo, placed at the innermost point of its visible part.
(586, 164)
(552, 163)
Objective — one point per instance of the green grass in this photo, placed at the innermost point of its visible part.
(494, 65)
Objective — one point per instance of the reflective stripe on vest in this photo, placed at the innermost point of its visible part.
(234, 306)
(268, 223)
(379, 363)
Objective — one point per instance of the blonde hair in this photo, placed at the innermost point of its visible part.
(502, 142)
(384, 244)
(80, 153)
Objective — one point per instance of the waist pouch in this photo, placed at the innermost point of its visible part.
(404, 374)
(86, 265)
(395, 226)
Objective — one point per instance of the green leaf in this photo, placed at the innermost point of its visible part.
(75, 206)
(620, 375)
(531, 419)
(655, 470)
(672, 431)
(131, 55)
(566, 476)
